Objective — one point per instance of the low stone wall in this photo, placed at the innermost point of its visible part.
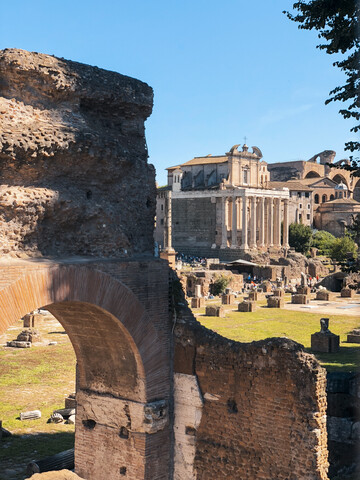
(259, 410)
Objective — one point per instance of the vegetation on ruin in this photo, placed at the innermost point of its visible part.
(38, 378)
(220, 284)
(269, 322)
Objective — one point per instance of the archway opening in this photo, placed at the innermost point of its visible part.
(123, 368)
(312, 174)
(338, 178)
(357, 191)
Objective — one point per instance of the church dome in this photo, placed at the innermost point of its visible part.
(341, 186)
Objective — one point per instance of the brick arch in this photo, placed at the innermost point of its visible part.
(312, 174)
(117, 347)
(338, 178)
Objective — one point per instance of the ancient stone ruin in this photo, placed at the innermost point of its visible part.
(158, 396)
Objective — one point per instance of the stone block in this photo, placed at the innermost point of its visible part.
(228, 299)
(197, 302)
(247, 306)
(354, 336)
(325, 343)
(214, 311)
(254, 296)
(31, 320)
(347, 293)
(266, 287)
(324, 295)
(275, 302)
(29, 335)
(303, 290)
(17, 344)
(279, 292)
(299, 299)
(70, 401)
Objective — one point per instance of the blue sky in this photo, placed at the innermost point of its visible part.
(221, 71)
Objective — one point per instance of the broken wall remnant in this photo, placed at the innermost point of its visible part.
(73, 159)
(259, 402)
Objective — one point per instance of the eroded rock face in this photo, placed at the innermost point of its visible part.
(73, 159)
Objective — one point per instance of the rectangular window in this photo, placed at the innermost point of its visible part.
(308, 216)
(308, 206)
(299, 194)
(307, 194)
(300, 205)
(245, 176)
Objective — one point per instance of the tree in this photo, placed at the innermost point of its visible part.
(342, 247)
(323, 241)
(337, 21)
(220, 284)
(300, 237)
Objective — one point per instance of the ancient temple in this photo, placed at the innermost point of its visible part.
(222, 206)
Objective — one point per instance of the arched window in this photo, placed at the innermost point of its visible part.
(332, 197)
(324, 198)
(316, 198)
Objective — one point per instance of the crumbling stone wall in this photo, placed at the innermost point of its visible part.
(258, 410)
(206, 278)
(73, 159)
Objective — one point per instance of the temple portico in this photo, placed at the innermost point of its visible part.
(222, 205)
(246, 218)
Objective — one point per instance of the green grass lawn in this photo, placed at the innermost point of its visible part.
(270, 322)
(36, 378)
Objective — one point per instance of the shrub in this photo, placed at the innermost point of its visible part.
(323, 241)
(342, 247)
(220, 284)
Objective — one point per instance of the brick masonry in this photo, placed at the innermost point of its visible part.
(264, 407)
(116, 315)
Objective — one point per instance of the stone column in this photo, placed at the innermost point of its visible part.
(286, 224)
(223, 222)
(234, 223)
(271, 223)
(244, 229)
(277, 235)
(262, 223)
(253, 223)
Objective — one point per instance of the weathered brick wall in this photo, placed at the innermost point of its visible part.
(116, 315)
(264, 407)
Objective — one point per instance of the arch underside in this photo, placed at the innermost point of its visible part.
(123, 367)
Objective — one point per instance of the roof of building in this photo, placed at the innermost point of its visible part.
(164, 188)
(202, 161)
(314, 180)
(344, 200)
(290, 184)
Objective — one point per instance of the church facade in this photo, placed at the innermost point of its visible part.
(221, 206)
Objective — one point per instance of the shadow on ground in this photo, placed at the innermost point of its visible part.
(19, 450)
